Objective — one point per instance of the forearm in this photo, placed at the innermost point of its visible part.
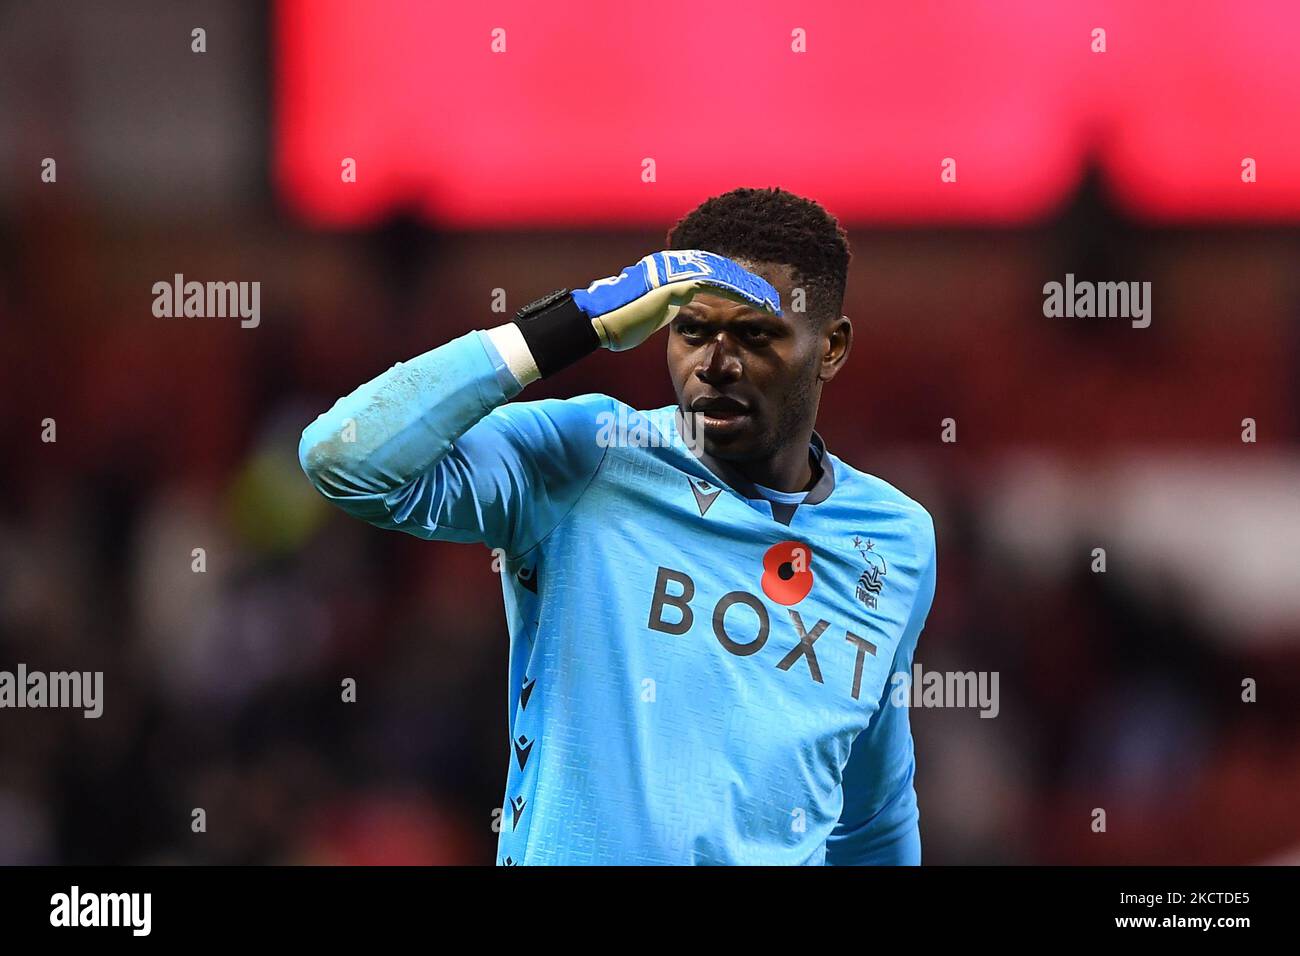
(399, 424)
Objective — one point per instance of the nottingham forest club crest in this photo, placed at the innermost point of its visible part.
(872, 580)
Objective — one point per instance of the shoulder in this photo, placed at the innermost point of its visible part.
(867, 491)
(575, 418)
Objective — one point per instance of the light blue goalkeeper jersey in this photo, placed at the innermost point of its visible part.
(697, 674)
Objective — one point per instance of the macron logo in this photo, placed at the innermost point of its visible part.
(703, 500)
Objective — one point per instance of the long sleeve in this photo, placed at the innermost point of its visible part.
(429, 447)
(879, 823)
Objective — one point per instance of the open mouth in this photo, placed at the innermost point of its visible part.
(720, 413)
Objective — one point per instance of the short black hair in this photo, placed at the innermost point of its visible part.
(773, 225)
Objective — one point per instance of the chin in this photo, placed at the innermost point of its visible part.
(742, 442)
(743, 446)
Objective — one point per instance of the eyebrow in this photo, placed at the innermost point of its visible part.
(755, 318)
(752, 315)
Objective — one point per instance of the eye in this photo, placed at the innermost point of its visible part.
(688, 329)
(756, 336)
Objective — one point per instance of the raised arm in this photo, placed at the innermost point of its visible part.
(430, 446)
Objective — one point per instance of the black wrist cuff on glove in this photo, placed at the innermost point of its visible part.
(556, 331)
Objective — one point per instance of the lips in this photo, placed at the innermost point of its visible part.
(719, 407)
(721, 417)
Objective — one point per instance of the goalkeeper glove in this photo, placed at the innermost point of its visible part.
(623, 311)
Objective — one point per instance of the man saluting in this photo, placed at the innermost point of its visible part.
(705, 604)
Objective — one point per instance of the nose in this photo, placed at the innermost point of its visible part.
(718, 363)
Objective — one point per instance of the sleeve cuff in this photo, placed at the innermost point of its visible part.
(509, 358)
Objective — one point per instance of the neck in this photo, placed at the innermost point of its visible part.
(790, 469)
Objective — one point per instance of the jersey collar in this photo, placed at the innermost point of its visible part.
(819, 492)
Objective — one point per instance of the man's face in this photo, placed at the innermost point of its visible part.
(753, 377)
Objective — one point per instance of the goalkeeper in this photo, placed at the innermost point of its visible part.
(705, 605)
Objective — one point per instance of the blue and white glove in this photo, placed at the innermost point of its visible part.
(628, 308)
(622, 311)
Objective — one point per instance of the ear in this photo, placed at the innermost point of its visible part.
(836, 343)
